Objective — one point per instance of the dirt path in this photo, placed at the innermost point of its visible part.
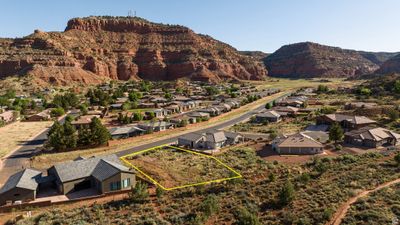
(341, 212)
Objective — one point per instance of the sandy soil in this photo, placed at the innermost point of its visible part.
(15, 134)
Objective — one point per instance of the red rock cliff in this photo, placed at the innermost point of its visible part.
(124, 48)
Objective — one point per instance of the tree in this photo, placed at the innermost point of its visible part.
(84, 109)
(245, 217)
(57, 112)
(336, 133)
(211, 90)
(159, 192)
(139, 193)
(364, 91)
(268, 105)
(70, 137)
(322, 88)
(168, 96)
(135, 96)
(183, 123)
(393, 114)
(397, 158)
(396, 87)
(210, 205)
(56, 137)
(137, 116)
(99, 133)
(126, 106)
(286, 195)
(151, 115)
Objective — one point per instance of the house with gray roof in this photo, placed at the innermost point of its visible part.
(210, 140)
(348, 122)
(105, 174)
(372, 137)
(268, 116)
(125, 132)
(21, 186)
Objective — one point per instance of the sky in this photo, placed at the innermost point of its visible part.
(264, 25)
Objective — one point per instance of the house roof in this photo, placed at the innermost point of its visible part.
(27, 179)
(286, 109)
(106, 168)
(192, 137)
(85, 167)
(231, 135)
(198, 114)
(298, 140)
(352, 119)
(373, 133)
(215, 136)
(269, 114)
(124, 130)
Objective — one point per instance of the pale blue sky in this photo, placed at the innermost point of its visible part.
(264, 25)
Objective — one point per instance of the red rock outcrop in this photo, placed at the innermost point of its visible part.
(390, 66)
(314, 60)
(124, 48)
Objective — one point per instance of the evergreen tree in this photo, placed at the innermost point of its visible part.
(286, 195)
(71, 139)
(336, 133)
(56, 138)
(99, 132)
(139, 193)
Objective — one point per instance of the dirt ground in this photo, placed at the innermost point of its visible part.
(173, 168)
(14, 134)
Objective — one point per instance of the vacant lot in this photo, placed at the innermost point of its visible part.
(15, 134)
(173, 168)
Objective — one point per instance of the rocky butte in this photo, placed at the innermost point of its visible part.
(94, 49)
(308, 59)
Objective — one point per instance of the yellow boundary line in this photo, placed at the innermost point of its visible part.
(237, 175)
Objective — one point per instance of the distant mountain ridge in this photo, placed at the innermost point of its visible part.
(307, 59)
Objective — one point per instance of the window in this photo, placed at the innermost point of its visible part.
(115, 186)
(126, 183)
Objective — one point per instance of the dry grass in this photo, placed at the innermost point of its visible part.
(14, 134)
(172, 168)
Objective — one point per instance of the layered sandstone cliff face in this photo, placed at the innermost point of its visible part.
(390, 66)
(314, 60)
(96, 48)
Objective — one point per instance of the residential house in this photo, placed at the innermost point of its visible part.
(233, 138)
(212, 111)
(372, 137)
(155, 126)
(210, 140)
(286, 110)
(104, 174)
(178, 119)
(42, 116)
(298, 144)
(346, 121)
(159, 113)
(125, 132)
(268, 116)
(356, 105)
(83, 121)
(21, 186)
(116, 106)
(199, 115)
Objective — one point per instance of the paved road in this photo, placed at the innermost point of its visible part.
(228, 123)
(20, 159)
